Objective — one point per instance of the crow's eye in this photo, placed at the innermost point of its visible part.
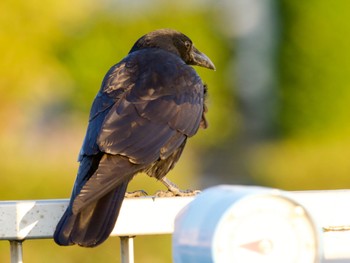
(188, 44)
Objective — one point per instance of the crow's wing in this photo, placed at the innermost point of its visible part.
(118, 79)
(164, 99)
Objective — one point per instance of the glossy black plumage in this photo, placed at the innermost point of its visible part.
(147, 107)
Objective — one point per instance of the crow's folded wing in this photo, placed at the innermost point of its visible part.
(164, 102)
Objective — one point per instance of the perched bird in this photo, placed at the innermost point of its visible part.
(148, 105)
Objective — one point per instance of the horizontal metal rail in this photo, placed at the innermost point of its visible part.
(37, 219)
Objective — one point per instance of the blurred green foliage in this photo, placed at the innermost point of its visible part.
(55, 54)
(313, 150)
(315, 64)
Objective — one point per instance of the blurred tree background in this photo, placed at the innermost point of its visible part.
(278, 102)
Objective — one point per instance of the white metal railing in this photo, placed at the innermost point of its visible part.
(24, 220)
(37, 219)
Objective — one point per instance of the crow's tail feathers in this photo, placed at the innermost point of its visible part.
(94, 223)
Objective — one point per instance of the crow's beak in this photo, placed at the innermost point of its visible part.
(200, 59)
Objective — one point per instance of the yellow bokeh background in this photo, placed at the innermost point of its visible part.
(54, 55)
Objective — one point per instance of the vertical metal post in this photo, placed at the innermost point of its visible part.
(127, 249)
(16, 251)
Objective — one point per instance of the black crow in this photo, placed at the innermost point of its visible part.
(147, 107)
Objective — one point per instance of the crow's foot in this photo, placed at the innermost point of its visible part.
(174, 190)
(137, 193)
(178, 192)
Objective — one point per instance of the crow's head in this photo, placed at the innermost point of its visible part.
(175, 42)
